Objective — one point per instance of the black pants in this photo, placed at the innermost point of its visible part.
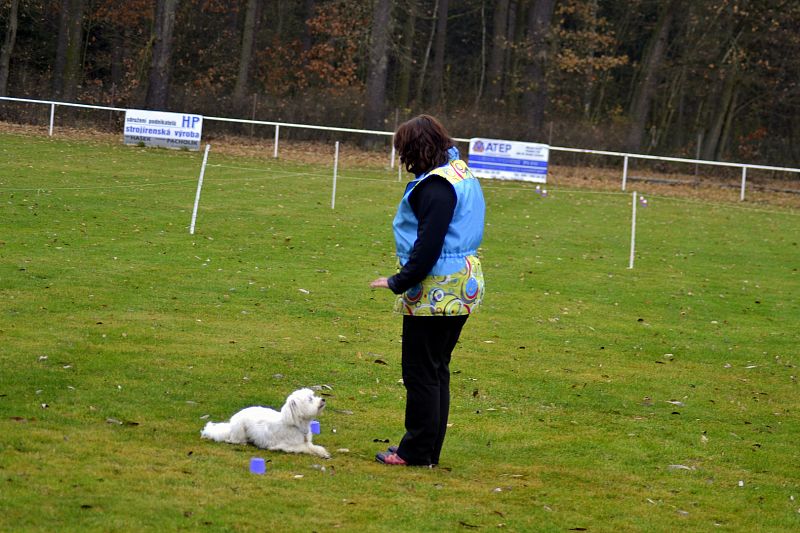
(428, 343)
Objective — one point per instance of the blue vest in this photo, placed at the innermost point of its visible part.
(466, 229)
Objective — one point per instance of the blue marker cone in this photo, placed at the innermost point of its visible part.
(257, 465)
(315, 427)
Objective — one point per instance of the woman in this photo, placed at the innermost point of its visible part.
(438, 229)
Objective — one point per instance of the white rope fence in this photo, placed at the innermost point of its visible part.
(277, 174)
(277, 125)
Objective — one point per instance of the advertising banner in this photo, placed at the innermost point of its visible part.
(508, 160)
(167, 130)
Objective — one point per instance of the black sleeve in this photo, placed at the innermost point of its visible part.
(433, 202)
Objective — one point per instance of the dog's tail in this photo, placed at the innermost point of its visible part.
(218, 431)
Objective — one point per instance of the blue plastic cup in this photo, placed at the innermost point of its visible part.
(315, 427)
(258, 465)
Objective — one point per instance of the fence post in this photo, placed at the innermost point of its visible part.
(199, 188)
(393, 154)
(625, 173)
(633, 231)
(335, 171)
(52, 116)
(277, 129)
(744, 181)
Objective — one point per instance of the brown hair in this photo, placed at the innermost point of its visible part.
(422, 143)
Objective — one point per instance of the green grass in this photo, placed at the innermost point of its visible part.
(561, 417)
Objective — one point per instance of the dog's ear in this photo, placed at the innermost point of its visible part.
(294, 412)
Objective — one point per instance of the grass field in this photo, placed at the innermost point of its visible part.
(586, 396)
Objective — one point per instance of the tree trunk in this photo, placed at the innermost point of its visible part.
(8, 46)
(588, 90)
(161, 64)
(437, 74)
(511, 60)
(280, 13)
(118, 47)
(420, 98)
(721, 98)
(309, 14)
(406, 56)
(377, 68)
(671, 114)
(246, 53)
(725, 136)
(607, 81)
(73, 66)
(494, 73)
(482, 61)
(61, 49)
(723, 106)
(535, 98)
(649, 76)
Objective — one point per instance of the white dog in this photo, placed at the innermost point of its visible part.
(287, 430)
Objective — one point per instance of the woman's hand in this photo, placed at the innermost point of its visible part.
(380, 283)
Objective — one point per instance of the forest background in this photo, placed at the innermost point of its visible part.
(716, 79)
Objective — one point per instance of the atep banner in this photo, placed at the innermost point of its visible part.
(508, 160)
(168, 130)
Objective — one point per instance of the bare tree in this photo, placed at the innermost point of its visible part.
(67, 71)
(246, 52)
(420, 96)
(61, 49)
(161, 65)
(118, 45)
(512, 55)
(406, 56)
(649, 76)
(73, 73)
(482, 57)
(437, 74)
(497, 55)
(725, 85)
(535, 98)
(378, 63)
(309, 7)
(590, 27)
(8, 46)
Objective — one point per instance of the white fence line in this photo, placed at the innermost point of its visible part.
(278, 125)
